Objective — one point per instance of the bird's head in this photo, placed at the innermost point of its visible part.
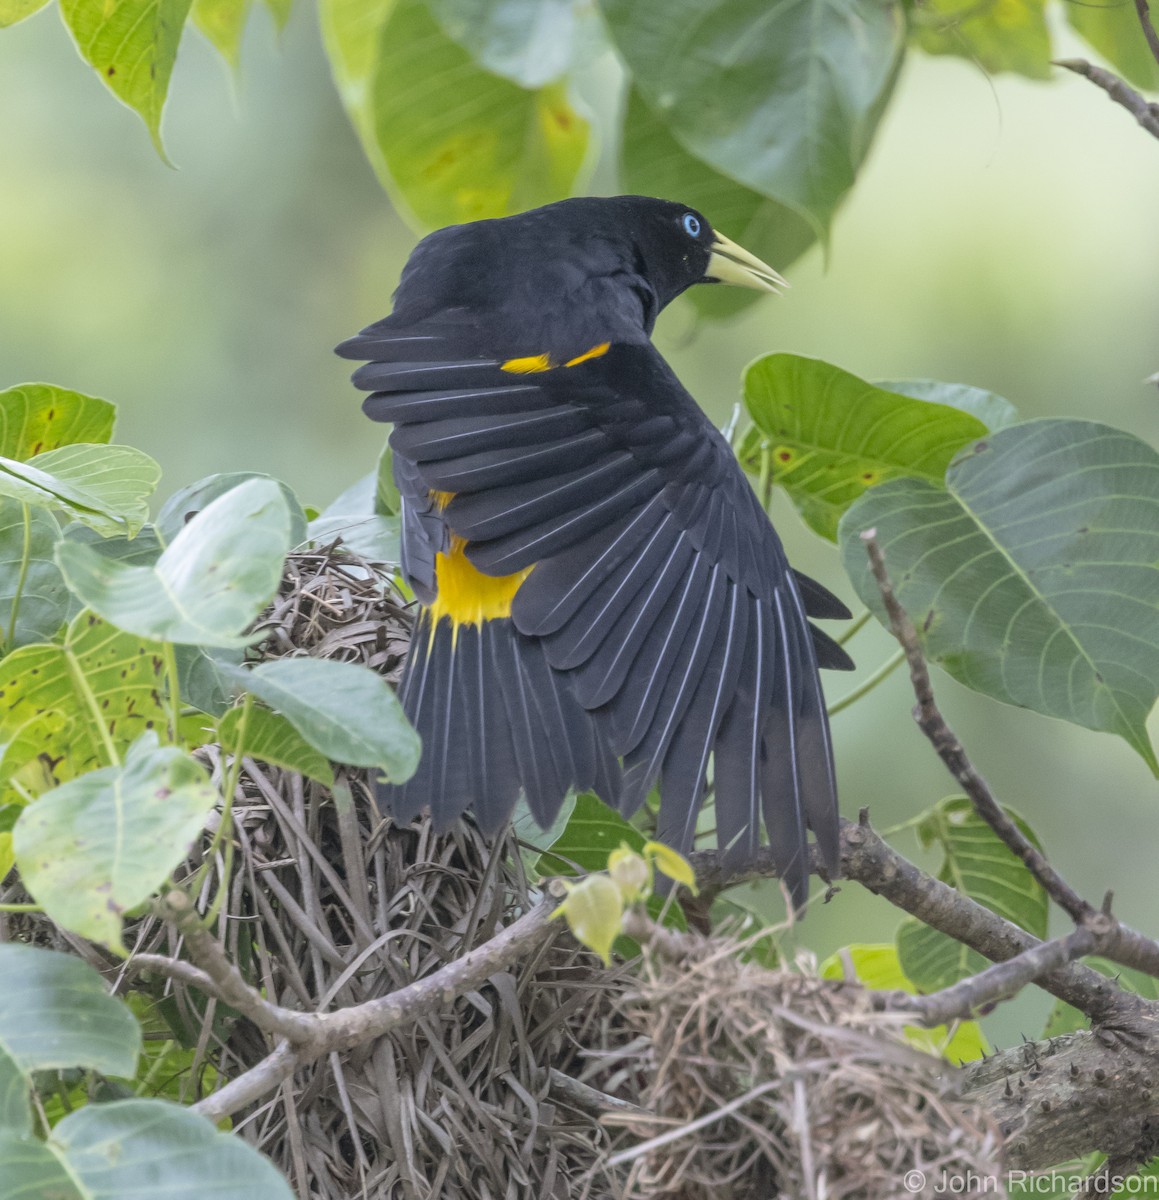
(627, 256)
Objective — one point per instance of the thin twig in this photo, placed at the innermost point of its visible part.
(1149, 32)
(1146, 114)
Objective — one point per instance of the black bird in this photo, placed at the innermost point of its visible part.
(605, 603)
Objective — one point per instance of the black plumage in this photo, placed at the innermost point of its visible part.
(606, 604)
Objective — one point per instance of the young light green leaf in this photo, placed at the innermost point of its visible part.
(1032, 577)
(996, 35)
(876, 966)
(187, 502)
(33, 596)
(653, 163)
(35, 417)
(98, 846)
(351, 30)
(830, 435)
(345, 711)
(208, 586)
(104, 487)
(1113, 30)
(56, 1012)
(145, 1147)
(12, 11)
(270, 737)
(527, 41)
(223, 23)
(594, 912)
(132, 46)
(994, 411)
(460, 144)
(783, 99)
(49, 695)
(280, 10)
(978, 864)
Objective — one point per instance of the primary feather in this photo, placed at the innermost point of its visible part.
(606, 604)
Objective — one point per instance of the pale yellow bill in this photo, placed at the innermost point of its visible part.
(731, 263)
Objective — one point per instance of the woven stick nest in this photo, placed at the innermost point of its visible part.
(758, 1083)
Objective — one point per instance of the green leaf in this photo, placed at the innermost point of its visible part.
(12, 11)
(996, 35)
(202, 678)
(784, 98)
(653, 163)
(104, 487)
(280, 10)
(94, 848)
(1035, 577)
(344, 710)
(365, 516)
(830, 435)
(994, 411)
(593, 831)
(456, 143)
(33, 596)
(211, 582)
(223, 23)
(1113, 30)
(527, 41)
(132, 46)
(186, 503)
(45, 715)
(594, 912)
(1065, 1019)
(136, 1147)
(876, 966)
(270, 737)
(56, 1012)
(35, 417)
(978, 864)
(351, 30)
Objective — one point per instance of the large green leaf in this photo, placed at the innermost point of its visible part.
(136, 1148)
(33, 597)
(344, 710)
(56, 1012)
(996, 35)
(783, 98)
(47, 722)
(187, 502)
(365, 516)
(132, 46)
(653, 163)
(12, 11)
(1113, 30)
(104, 487)
(529, 42)
(35, 417)
(994, 411)
(876, 966)
(1035, 577)
(270, 737)
(457, 143)
(98, 846)
(592, 832)
(208, 586)
(351, 30)
(830, 435)
(978, 864)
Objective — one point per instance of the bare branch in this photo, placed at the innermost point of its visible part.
(1144, 11)
(251, 1084)
(1146, 114)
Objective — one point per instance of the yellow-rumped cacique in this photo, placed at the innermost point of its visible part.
(605, 604)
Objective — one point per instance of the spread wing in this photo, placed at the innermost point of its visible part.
(658, 589)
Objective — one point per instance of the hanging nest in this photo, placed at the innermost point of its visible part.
(770, 1083)
(751, 1084)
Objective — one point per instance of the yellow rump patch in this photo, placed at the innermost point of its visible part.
(468, 596)
(442, 499)
(595, 352)
(528, 366)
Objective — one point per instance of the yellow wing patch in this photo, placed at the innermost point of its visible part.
(468, 596)
(536, 363)
(595, 352)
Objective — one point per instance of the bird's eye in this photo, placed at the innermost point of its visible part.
(691, 225)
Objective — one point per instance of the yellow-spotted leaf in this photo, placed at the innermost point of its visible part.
(1032, 575)
(132, 46)
(594, 912)
(457, 143)
(876, 966)
(33, 596)
(827, 436)
(35, 417)
(98, 846)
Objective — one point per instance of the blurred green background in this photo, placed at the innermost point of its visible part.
(1004, 234)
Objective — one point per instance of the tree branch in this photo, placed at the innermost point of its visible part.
(1146, 114)
(1144, 11)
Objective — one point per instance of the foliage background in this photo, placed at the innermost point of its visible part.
(1002, 234)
